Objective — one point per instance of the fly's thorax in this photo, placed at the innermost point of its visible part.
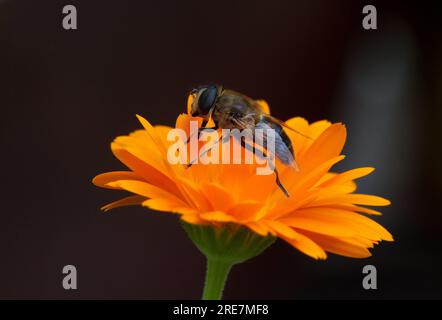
(222, 118)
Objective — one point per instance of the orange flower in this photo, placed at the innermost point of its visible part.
(323, 213)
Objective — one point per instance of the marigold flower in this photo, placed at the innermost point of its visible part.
(323, 213)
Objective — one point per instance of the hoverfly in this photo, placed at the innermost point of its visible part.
(232, 110)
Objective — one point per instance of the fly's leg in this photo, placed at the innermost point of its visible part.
(224, 139)
(201, 129)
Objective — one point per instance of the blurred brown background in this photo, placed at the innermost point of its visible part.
(64, 95)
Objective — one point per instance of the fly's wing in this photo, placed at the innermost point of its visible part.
(283, 124)
(242, 121)
(250, 112)
(263, 108)
(283, 149)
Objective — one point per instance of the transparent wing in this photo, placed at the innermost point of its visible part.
(277, 145)
(284, 125)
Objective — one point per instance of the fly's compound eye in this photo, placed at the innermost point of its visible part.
(207, 99)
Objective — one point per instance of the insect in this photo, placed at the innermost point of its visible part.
(232, 110)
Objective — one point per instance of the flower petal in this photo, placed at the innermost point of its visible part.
(264, 106)
(150, 172)
(343, 247)
(280, 229)
(300, 143)
(217, 216)
(353, 208)
(318, 127)
(167, 205)
(152, 133)
(362, 225)
(300, 183)
(146, 190)
(328, 145)
(307, 179)
(102, 180)
(218, 196)
(199, 200)
(193, 219)
(128, 201)
(189, 103)
(349, 175)
(245, 211)
(353, 198)
(321, 226)
(258, 228)
(307, 246)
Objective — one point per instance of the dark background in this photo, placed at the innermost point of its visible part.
(64, 95)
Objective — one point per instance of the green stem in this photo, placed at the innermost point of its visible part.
(216, 276)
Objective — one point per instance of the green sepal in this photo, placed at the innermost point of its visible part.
(224, 246)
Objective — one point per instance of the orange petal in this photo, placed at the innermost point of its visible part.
(349, 175)
(217, 216)
(152, 133)
(103, 179)
(183, 122)
(280, 229)
(307, 246)
(328, 145)
(362, 225)
(128, 201)
(297, 185)
(325, 178)
(162, 132)
(145, 149)
(192, 190)
(193, 219)
(299, 142)
(309, 178)
(218, 196)
(258, 228)
(189, 103)
(264, 106)
(146, 190)
(321, 226)
(309, 198)
(245, 211)
(167, 205)
(343, 247)
(318, 127)
(141, 168)
(353, 198)
(350, 207)
(334, 190)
